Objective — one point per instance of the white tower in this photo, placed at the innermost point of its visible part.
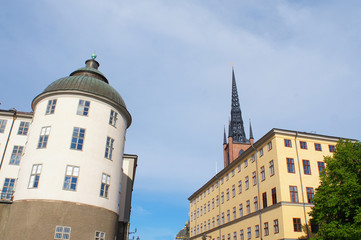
(70, 178)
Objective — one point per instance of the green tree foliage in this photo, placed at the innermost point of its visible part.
(337, 201)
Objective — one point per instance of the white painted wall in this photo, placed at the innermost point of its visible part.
(57, 155)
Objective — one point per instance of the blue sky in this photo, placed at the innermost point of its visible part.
(297, 66)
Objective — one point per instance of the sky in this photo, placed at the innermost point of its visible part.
(297, 67)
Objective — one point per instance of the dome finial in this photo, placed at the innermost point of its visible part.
(94, 56)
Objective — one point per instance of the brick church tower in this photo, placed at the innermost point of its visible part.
(237, 140)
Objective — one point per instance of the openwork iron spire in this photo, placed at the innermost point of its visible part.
(236, 128)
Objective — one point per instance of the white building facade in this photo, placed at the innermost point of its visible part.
(67, 178)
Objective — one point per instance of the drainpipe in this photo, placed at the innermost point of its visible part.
(303, 195)
(8, 139)
(259, 193)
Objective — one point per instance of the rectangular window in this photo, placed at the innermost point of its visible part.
(255, 201)
(318, 147)
(44, 136)
(264, 199)
(222, 180)
(288, 143)
(306, 167)
(83, 108)
(234, 235)
(209, 224)
(271, 168)
(113, 118)
(209, 206)
(217, 220)
(239, 167)
(247, 182)
(234, 213)
(104, 187)
(257, 231)
(2, 125)
(233, 190)
(261, 152)
(245, 163)
(275, 226)
(62, 232)
(227, 194)
(50, 108)
(241, 210)
(241, 234)
(294, 193)
(248, 206)
(227, 176)
(331, 148)
(222, 197)
(228, 216)
(266, 231)
(254, 178)
(321, 167)
(8, 189)
(232, 173)
(35, 176)
(99, 235)
(109, 148)
(290, 165)
(77, 139)
(229, 236)
(249, 233)
(23, 128)
(222, 217)
(213, 222)
(16, 155)
(303, 145)
(297, 225)
(217, 201)
(263, 174)
(253, 157)
(71, 178)
(274, 196)
(212, 203)
(310, 194)
(240, 186)
(269, 146)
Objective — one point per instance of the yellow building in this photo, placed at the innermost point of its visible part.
(266, 191)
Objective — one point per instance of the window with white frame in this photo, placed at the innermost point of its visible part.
(249, 233)
(113, 118)
(233, 190)
(269, 145)
(261, 152)
(83, 108)
(240, 186)
(16, 155)
(254, 178)
(248, 206)
(247, 182)
(50, 108)
(257, 231)
(263, 174)
(246, 163)
(77, 139)
(62, 232)
(255, 200)
(239, 167)
(71, 178)
(241, 234)
(35, 176)
(23, 128)
(271, 168)
(104, 188)
(99, 235)
(2, 125)
(44, 137)
(241, 210)
(234, 213)
(109, 148)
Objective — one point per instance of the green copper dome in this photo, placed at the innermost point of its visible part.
(89, 80)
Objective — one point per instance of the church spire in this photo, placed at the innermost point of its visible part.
(236, 128)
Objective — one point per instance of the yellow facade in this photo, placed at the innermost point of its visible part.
(270, 184)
